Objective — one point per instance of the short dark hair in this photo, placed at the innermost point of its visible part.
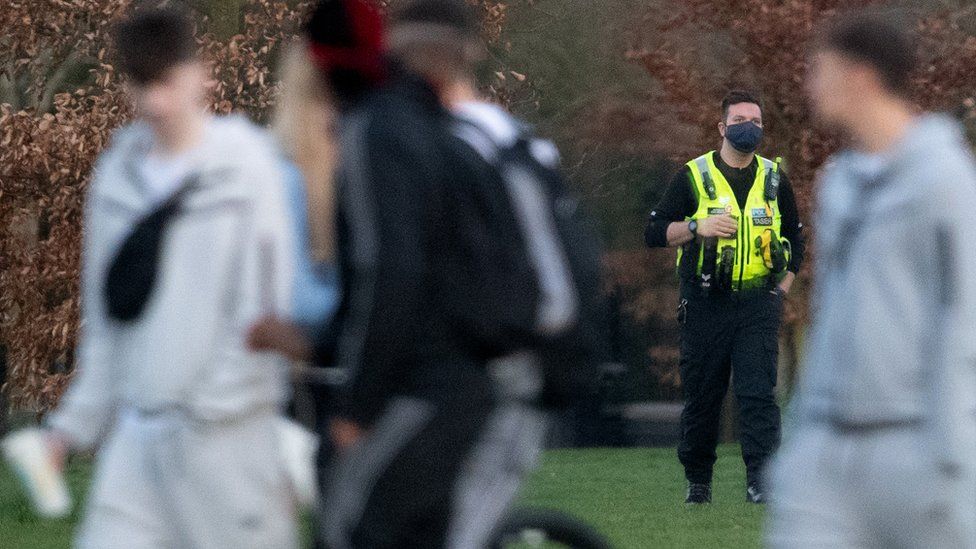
(456, 15)
(436, 38)
(878, 41)
(734, 97)
(152, 40)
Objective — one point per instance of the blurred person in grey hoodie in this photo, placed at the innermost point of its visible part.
(186, 241)
(883, 446)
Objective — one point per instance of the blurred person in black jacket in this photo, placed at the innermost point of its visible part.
(437, 277)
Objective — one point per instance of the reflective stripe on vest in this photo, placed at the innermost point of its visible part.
(759, 213)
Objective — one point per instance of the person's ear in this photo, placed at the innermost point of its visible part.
(721, 129)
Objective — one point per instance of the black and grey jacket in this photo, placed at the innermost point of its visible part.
(434, 267)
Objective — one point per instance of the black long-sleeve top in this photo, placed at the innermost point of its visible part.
(679, 202)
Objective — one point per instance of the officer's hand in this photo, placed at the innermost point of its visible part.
(723, 226)
(787, 283)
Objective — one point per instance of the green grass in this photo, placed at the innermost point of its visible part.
(20, 528)
(631, 495)
(634, 496)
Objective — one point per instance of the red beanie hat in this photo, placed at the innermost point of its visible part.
(348, 35)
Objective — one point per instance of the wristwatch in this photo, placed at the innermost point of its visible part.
(693, 227)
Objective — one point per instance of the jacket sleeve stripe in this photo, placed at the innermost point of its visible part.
(557, 304)
(357, 200)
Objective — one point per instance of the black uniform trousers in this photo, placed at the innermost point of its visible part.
(727, 336)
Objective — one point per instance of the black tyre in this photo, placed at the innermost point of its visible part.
(546, 528)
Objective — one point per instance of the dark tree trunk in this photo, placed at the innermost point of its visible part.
(4, 407)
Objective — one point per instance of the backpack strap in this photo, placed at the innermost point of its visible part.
(477, 138)
(131, 276)
(496, 154)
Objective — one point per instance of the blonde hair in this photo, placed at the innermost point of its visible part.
(303, 121)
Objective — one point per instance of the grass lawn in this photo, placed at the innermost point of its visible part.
(20, 528)
(632, 495)
(635, 496)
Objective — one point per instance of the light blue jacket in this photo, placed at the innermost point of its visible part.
(316, 285)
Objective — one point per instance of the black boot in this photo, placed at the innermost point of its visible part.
(699, 493)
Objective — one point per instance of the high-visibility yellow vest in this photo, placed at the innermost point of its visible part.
(754, 245)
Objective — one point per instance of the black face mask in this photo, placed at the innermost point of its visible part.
(744, 136)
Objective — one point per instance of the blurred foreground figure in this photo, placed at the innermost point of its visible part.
(883, 450)
(438, 280)
(303, 124)
(187, 241)
(567, 258)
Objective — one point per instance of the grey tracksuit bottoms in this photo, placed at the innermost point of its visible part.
(166, 481)
(840, 488)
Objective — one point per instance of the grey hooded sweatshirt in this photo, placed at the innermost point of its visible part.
(893, 338)
(227, 259)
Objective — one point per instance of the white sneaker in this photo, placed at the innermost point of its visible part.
(27, 453)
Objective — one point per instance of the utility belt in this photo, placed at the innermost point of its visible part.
(760, 289)
(719, 273)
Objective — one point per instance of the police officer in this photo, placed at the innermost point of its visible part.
(734, 218)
